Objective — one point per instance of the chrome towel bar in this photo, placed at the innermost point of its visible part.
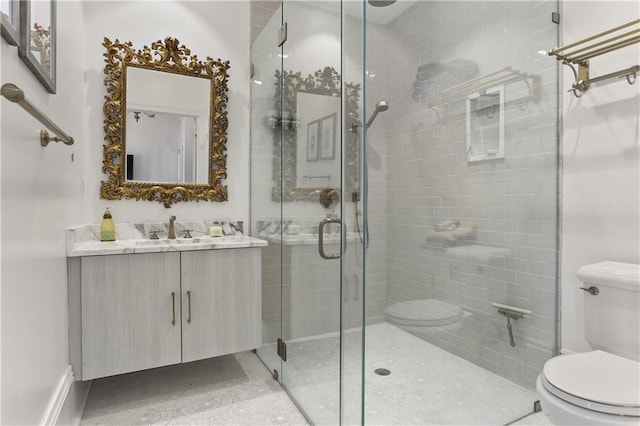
(14, 94)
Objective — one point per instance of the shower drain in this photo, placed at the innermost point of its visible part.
(382, 371)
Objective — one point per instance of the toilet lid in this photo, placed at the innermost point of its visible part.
(424, 312)
(596, 380)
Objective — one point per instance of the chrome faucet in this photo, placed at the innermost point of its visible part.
(172, 230)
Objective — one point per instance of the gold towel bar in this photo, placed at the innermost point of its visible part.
(598, 46)
(593, 37)
(14, 94)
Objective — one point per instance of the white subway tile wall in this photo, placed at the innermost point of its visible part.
(511, 201)
(419, 177)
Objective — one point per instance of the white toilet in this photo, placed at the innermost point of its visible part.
(601, 387)
(425, 318)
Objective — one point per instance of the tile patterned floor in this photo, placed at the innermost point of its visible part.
(229, 390)
(238, 390)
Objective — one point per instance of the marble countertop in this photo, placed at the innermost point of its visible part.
(134, 238)
(98, 248)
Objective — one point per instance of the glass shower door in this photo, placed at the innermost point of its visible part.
(311, 103)
(266, 134)
(296, 193)
(306, 141)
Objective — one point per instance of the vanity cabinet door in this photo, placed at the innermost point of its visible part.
(130, 313)
(221, 302)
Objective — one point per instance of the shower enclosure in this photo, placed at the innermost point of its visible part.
(404, 172)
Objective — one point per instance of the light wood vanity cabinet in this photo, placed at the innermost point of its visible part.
(137, 311)
(221, 300)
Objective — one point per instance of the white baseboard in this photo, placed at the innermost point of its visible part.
(85, 397)
(68, 402)
(59, 397)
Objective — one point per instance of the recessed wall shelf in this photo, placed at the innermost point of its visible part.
(580, 52)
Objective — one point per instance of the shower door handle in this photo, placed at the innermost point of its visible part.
(321, 226)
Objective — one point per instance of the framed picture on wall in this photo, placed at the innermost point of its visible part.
(312, 140)
(9, 14)
(328, 137)
(37, 47)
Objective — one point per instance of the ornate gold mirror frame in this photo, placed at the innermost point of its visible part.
(325, 82)
(170, 57)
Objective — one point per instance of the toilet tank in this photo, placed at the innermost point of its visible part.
(612, 317)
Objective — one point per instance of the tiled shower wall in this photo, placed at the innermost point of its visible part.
(510, 201)
(419, 176)
(377, 162)
(310, 297)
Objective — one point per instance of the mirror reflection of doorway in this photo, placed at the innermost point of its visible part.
(163, 146)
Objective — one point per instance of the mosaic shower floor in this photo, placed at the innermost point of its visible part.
(427, 385)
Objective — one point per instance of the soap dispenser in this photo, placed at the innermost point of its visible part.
(107, 227)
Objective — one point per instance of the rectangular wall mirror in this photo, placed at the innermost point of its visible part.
(316, 141)
(167, 130)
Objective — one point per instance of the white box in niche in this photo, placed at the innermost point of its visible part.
(485, 125)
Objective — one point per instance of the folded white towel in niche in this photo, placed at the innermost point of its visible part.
(465, 230)
(447, 225)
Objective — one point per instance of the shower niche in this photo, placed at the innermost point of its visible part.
(485, 125)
